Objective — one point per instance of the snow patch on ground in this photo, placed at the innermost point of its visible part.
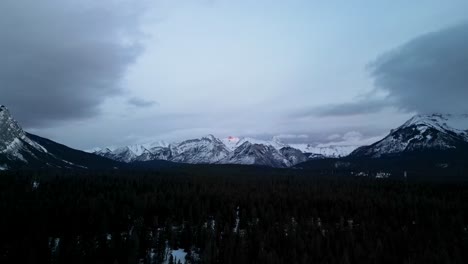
(236, 227)
(54, 244)
(35, 185)
(179, 254)
(382, 175)
(76, 165)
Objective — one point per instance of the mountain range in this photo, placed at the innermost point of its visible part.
(429, 136)
(231, 150)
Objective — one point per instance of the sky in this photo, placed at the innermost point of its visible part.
(117, 72)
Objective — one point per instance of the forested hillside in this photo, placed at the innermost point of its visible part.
(228, 215)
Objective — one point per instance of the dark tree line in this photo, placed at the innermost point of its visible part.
(228, 215)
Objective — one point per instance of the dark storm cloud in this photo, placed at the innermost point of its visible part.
(427, 74)
(139, 102)
(366, 106)
(61, 59)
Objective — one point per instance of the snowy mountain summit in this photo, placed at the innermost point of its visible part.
(326, 151)
(13, 140)
(421, 133)
(9, 129)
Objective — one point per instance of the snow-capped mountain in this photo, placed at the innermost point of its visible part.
(207, 149)
(234, 142)
(436, 132)
(139, 152)
(275, 143)
(19, 149)
(256, 154)
(123, 154)
(10, 132)
(294, 156)
(331, 151)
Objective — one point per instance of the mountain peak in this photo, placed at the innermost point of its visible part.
(427, 119)
(10, 130)
(439, 121)
(210, 137)
(437, 131)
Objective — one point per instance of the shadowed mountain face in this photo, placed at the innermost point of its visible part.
(10, 131)
(19, 149)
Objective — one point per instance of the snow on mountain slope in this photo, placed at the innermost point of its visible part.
(207, 149)
(294, 156)
(156, 144)
(122, 154)
(330, 151)
(457, 124)
(234, 142)
(420, 133)
(10, 131)
(275, 143)
(257, 154)
(231, 142)
(14, 142)
(138, 152)
(157, 153)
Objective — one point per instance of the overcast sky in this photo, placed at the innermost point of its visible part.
(114, 72)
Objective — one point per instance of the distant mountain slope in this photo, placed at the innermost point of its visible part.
(19, 149)
(434, 145)
(205, 150)
(331, 151)
(79, 158)
(294, 156)
(421, 133)
(257, 154)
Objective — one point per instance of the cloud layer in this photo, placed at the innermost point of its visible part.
(295, 70)
(427, 74)
(62, 59)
